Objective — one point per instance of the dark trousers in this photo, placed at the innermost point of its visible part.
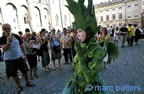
(67, 54)
(131, 41)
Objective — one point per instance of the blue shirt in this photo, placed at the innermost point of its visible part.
(14, 51)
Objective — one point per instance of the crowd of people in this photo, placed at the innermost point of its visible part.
(46, 46)
(130, 33)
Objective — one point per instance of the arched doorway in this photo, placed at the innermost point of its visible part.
(0, 23)
(11, 17)
(24, 18)
(36, 19)
(45, 20)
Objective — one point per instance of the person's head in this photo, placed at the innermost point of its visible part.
(53, 31)
(74, 33)
(34, 34)
(64, 31)
(27, 30)
(124, 25)
(6, 29)
(28, 36)
(43, 32)
(81, 35)
(20, 33)
(130, 25)
(117, 28)
(58, 30)
(135, 25)
(104, 31)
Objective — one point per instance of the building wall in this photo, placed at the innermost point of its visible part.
(34, 14)
(127, 8)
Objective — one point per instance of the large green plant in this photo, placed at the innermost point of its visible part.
(84, 16)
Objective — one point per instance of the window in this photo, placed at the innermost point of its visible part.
(65, 20)
(129, 6)
(107, 17)
(101, 18)
(120, 7)
(39, 1)
(45, 16)
(120, 24)
(97, 19)
(129, 14)
(136, 4)
(113, 9)
(120, 15)
(26, 19)
(113, 16)
(136, 13)
(53, 1)
(57, 20)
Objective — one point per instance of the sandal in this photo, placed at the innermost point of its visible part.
(31, 78)
(60, 68)
(18, 90)
(29, 84)
(36, 75)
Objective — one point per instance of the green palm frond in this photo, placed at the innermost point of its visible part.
(84, 16)
(112, 50)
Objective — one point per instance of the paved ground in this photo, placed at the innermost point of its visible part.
(127, 70)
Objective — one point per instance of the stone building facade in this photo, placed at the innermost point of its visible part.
(118, 12)
(34, 14)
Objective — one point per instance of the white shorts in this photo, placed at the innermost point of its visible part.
(106, 58)
(116, 37)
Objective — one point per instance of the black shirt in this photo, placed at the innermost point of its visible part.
(124, 29)
(3, 39)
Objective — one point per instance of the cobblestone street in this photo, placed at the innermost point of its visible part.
(127, 70)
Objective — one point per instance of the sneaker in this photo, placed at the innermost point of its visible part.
(47, 70)
(20, 77)
(122, 46)
(106, 67)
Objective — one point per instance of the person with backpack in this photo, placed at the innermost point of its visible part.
(14, 56)
(31, 55)
(55, 49)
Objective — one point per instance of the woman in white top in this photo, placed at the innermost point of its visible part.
(116, 36)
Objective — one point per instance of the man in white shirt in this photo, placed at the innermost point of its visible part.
(65, 47)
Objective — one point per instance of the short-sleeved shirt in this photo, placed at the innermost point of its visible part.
(132, 31)
(107, 37)
(124, 29)
(14, 51)
(63, 39)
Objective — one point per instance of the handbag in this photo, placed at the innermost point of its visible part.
(57, 49)
(56, 46)
(38, 51)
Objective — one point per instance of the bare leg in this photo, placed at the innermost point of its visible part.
(31, 73)
(16, 79)
(54, 64)
(105, 65)
(59, 61)
(115, 42)
(28, 83)
(35, 71)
